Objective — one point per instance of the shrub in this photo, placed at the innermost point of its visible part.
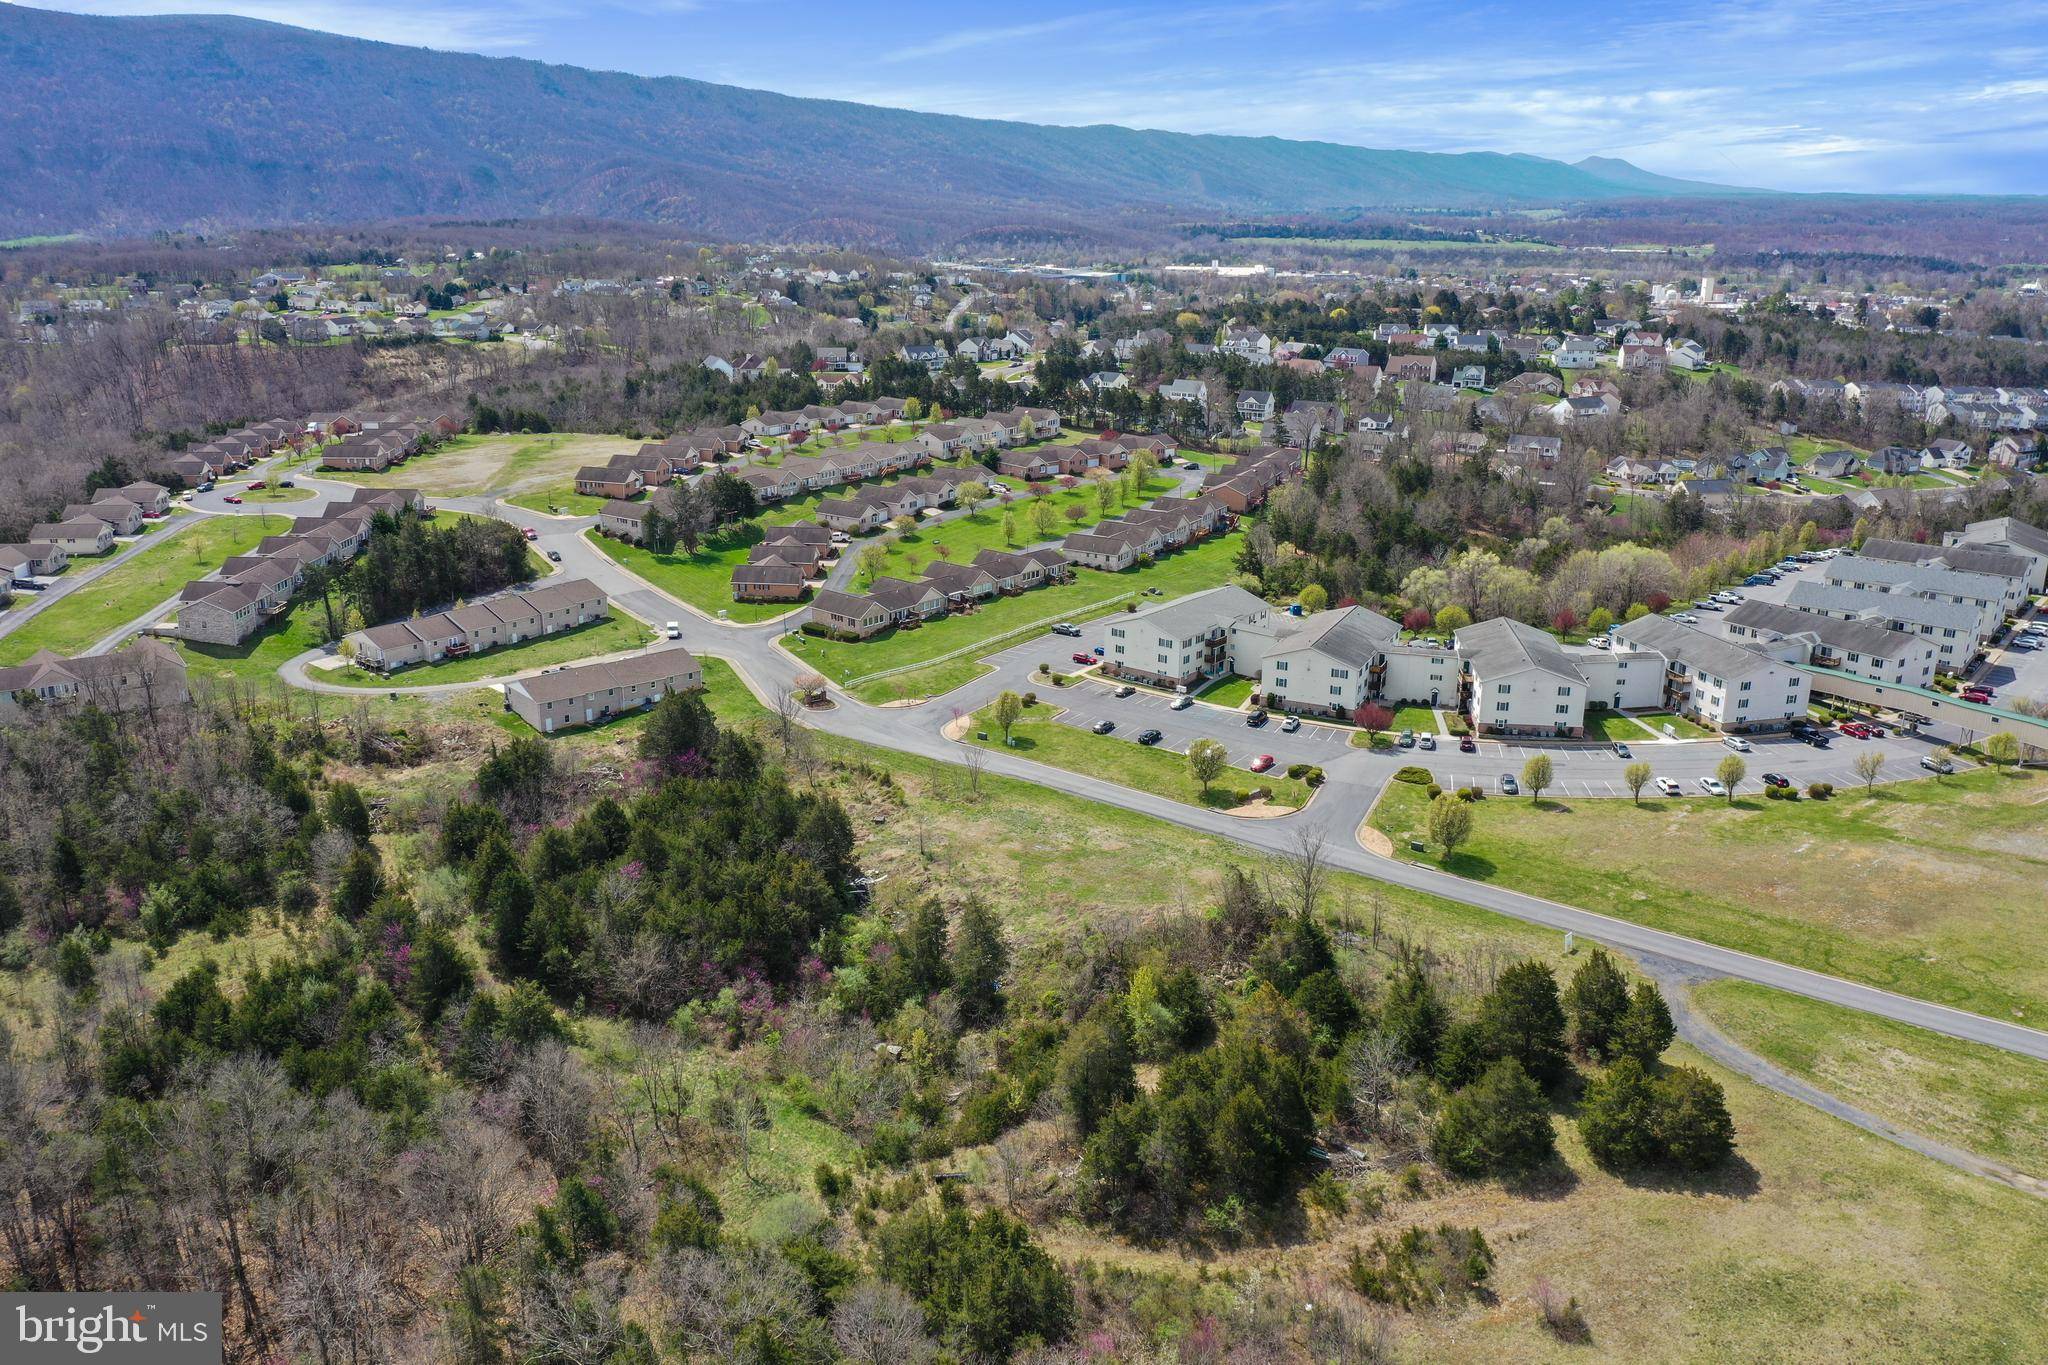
(1419, 776)
(1471, 794)
(1435, 791)
(1297, 771)
(1262, 794)
(1813, 789)
(1313, 777)
(1774, 794)
(1561, 1315)
(1498, 1125)
(1457, 724)
(1031, 699)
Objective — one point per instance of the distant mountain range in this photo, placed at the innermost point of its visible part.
(130, 124)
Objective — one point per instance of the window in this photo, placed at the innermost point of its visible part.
(1505, 688)
(1340, 672)
(1745, 687)
(1280, 666)
(1742, 705)
(1564, 710)
(1500, 706)
(1564, 691)
(1336, 691)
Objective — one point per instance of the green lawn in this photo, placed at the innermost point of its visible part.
(1981, 1099)
(255, 661)
(1421, 719)
(1228, 690)
(608, 636)
(1119, 758)
(1680, 726)
(965, 537)
(1613, 725)
(1929, 888)
(562, 500)
(270, 492)
(1203, 565)
(703, 579)
(126, 591)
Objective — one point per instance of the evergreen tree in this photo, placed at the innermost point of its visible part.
(1646, 1030)
(980, 959)
(1498, 1125)
(1413, 1015)
(1095, 1072)
(1596, 1001)
(346, 811)
(1692, 1123)
(1617, 1118)
(1524, 1020)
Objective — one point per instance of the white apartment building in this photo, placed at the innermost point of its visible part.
(1722, 684)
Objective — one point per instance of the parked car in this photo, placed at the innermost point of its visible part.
(1737, 743)
(1125, 691)
(1712, 786)
(1817, 738)
(1084, 658)
(257, 486)
(1936, 764)
(1103, 727)
(1979, 695)
(1262, 762)
(1064, 629)
(1508, 785)
(1686, 618)
(1291, 724)
(1425, 741)
(1181, 703)
(232, 497)
(1777, 780)
(1621, 750)
(1149, 736)
(1601, 642)
(1407, 740)
(1466, 746)
(1257, 717)
(1669, 786)
(286, 483)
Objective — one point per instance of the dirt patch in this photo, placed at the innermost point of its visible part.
(956, 728)
(1261, 810)
(1374, 842)
(901, 702)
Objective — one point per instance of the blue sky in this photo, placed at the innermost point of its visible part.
(1792, 94)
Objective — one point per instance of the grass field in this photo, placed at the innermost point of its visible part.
(272, 493)
(562, 500)
(1978, 1098)
(1199, 566)
(965, 537)
(1613, 725)
(1421, 719)
(1823, 1243)
(126, 591)
(608, 636)
(483, 464)
(703, 579)
(1932, 888)
(1680, 726)
(1229, 690)
(1121, 759)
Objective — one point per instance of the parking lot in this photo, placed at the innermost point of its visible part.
(1089, 702)
(2017, 674)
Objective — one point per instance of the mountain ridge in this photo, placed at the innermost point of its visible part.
(282, 125)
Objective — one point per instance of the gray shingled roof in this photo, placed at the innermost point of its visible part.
(1504, 646)
(1861, 637)
(1682, 644)
(1894, 606)
(1354, 635)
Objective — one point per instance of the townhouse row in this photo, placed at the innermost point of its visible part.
(88, 528)
(487, 623)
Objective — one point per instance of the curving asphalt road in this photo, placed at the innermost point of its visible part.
(1355, 779)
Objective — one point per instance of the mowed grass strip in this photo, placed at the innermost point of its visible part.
(1981, 1099)
(1119, 758)
(1929, 888)
(1202, 565)
(76, 621)
(965, 537)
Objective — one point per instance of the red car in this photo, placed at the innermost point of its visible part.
(256, 487)
(529, 533)
(1262, 762)
(1084, 658)
(1980, 695)
(1466, 746)
(231, 498)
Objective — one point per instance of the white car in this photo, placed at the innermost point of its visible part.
(1291, 724)
(1181, 703)
(1737, 743)
(1686, 618)
(673, 630)
(1712, 786)
(1669, 786)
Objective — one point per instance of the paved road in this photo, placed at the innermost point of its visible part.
(28, 606)
(1355, 778)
